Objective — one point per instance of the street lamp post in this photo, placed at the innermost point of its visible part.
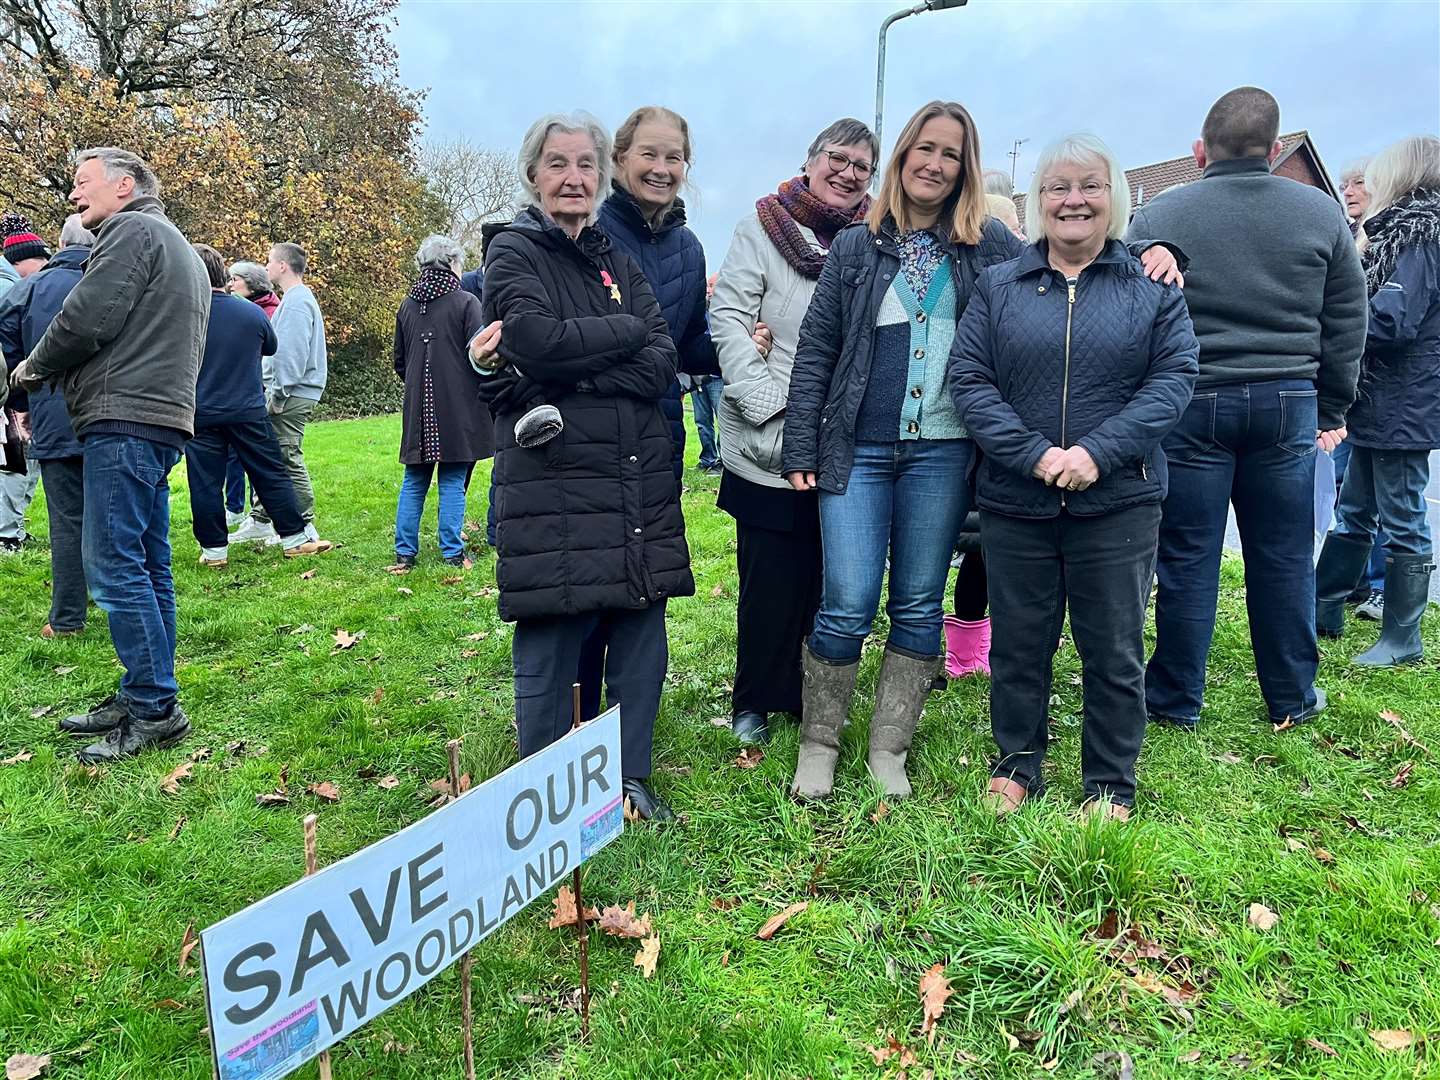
(928, 5)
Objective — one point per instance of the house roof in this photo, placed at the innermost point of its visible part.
(1147, 181)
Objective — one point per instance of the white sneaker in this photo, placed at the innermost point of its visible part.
(234, 518)
(254, 530)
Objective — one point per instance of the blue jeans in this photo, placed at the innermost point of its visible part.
(1253, 445)
(235, 481)
(905, 499)
(706, 398)
(1386, 487)
(126, 546)
(413, 490)
(1375, 574)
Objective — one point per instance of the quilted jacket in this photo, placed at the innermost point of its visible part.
(1110, 367)
(26, 311)
(589, 521)
(832, 363)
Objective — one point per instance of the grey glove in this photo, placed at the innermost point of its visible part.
(538, 426)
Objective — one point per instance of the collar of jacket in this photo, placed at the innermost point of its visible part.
(1035, 259)
(628, 207)
(1415, 213)
(73, 257)
(536, 224)
(1236, 167)
(890, 238)
(141, 204)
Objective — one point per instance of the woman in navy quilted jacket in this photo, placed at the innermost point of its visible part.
(1068, 369)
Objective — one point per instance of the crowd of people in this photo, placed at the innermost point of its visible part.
(1100, 383)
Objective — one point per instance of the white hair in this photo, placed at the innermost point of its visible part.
(73, 234)
(255, 277)
(1354, 171)
(118, 163)
(438, 250)
(1401, 168)
(1078, 149)
(998, 182)
(533, 145)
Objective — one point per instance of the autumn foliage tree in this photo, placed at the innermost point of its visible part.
(265, 121)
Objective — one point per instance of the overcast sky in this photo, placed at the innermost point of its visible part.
(758, 80)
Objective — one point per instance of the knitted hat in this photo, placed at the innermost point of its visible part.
(21, 243)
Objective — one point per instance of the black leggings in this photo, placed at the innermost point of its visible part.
(972, 592)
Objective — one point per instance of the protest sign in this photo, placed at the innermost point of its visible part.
(297, 971)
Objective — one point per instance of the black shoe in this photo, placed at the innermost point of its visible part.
(107, 716)
(939, 684)
(1174, 722)
(644, 802)
(407, 561)
(1309, 714)
(750, 728)
(133, 736)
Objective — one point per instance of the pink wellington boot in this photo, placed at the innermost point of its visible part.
(967, 647)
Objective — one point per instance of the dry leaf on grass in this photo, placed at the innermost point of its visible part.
(749, 757)
(1392, 1040)
(621, 922)
(377, 696)
(179, 824)
(1191, 1057)
(453, 579)
(1115, 1057)
(934, 989)
(272, 798)
(775, 922)
(1176, 996)
(628, 808)
(881, 811)
(1261, 917)
(324, 790)
(346, 640)
(443, 785)
(718, 591)
(43, 710)
(648, 955)
(1402, 778)
(308, 574)
(1393, 719)
(171, 784)
(203, 754)
(386, 783)
(25, 1066)
(479, 635)
(64, 670)
(20, 758)
(169, 1004)
(893, 1048)
(187, 946)
(397, 569)
(565, 911)
(1323, 1047)
(725, 903)
(1284, 725)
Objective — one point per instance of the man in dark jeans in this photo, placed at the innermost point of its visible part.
(25, 314)
(1277, 297)
(126, 348)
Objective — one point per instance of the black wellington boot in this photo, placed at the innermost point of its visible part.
(750, 727)
(134, 736)
(1342, 560)
(1407, 591)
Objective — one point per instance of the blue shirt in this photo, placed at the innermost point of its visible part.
(229, 389)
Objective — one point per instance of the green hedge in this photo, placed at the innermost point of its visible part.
(362, 381)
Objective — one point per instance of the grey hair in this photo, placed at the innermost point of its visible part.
(533, 145)
(1079, 149)
(255, 277)
(1354, 171)
(846, 132)
(438, 250)
(73, 234)
(120, 163)
(997, 182)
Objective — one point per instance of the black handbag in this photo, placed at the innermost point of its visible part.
(14, 450)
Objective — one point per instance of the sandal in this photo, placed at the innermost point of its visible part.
(1107, 808)
(1005, 796)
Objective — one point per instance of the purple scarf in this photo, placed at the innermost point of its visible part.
(793, 205)
(433, 283)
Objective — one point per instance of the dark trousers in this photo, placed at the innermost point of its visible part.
(972, 592)
(1101, 567)
(64, 480)
(546, 656)
(1251, 445)
(255, 445)
(780, 582)
(127, 558)
(234, 482)
(1383, 499)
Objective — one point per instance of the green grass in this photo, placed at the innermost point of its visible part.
(96, 889)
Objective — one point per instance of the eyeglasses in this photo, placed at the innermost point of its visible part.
(839, 162)
(1059, 189)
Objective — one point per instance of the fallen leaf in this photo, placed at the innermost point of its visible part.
(479, 635)
(453, 579)
(397, 569)
(631, 814)
(386, 783)
(775, 922)
(720, 721)
(43, 710)
(1117, 1057)
(1228, 758)
(203, 754)
(469, 654)
(749, 757)
(187, 946)
(565, 912)
(1293, 844)
(171, 784)
(725, 903)
(272, 798)
(64, 670)
(1011, 1042)
(718, 591)
(1284, 725)
(1391, 1040)
(893, 1048)
(324, 790)
(346, 640)
(303, 628)
(443, 784)
(308, 574)
(1172, 995)
(1192, 1056)
(169, 1004)
(237, 747)
(648, 955)
(1393, 719)
(1321, 855)
(881, 811)
(1261, 917)
(22, 756)
(934, 989)
(1324, 1048)
(1402, 778)
(621, 922)
(179, 824)
(25, 1066)
(725, 958)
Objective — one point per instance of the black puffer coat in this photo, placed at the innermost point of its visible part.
(590, 521)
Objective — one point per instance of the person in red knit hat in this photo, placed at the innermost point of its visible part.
(24, 250)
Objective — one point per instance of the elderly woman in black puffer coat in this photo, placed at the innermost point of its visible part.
(590, 528)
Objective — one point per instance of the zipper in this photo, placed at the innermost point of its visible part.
(1065, 388)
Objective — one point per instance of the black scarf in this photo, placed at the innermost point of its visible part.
(433, 283)
(1413, 219)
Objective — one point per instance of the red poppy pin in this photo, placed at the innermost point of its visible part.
(609, 283)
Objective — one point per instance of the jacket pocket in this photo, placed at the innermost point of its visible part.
(762, 445)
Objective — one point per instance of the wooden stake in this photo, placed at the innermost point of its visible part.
(310, 865)
(582, 932)
(467, 1015)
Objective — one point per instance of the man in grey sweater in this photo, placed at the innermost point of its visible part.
(1277, 298)
(294, 380)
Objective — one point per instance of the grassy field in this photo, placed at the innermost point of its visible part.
(1332, 826)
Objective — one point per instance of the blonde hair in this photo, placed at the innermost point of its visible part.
(965, 206)
(625, 133)
(1002, 209)
(1396, 171)
(1079, 149)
